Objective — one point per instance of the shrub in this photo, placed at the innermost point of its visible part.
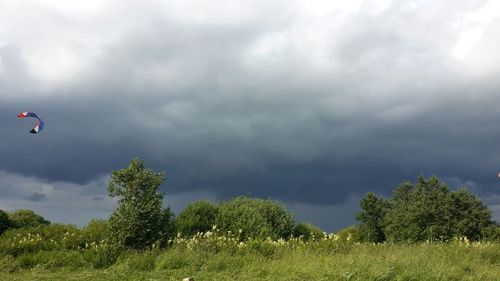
(491, 233)
(349, 234)
(197, 217)
(254, 218)
(307, 231)
(5, 223)
(95, 231)
(103, 255)
(26, 218)
(16, 241)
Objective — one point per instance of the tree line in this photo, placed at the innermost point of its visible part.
(421, 211)
(425, 211)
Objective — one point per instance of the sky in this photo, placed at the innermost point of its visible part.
(312, 103)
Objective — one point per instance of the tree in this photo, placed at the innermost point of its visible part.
(420, 212)
(254, 218)
(4, 222)
(26, 218)
(428, 210)
(197, 217)
(371, 217)
(470, 215)
(140, 219)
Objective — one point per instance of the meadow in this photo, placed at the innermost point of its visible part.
(69, 254)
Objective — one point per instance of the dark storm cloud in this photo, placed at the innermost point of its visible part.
(36, 197)
(301, 108)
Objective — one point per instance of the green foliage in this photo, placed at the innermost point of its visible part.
(26, 218)
(138, 260)
(470, 215)
(254, 218)
(371, 218)
(9, 264)
(197, 217)
(71, 260)
(102, 256)
(177, 259)
(95, 231)
(332, 258)
(44, 237)
(140, 220)
(307, 231)
(491, 233)
(5, 223)
(428, 210)
(349, 234)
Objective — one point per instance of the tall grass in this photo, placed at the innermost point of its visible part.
(216, 256)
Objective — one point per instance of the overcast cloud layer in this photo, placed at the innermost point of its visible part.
(313, 103)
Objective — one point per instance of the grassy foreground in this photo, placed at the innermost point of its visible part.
(271, 261)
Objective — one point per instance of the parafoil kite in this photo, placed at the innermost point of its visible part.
(39, 123)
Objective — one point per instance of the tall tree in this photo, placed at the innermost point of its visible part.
(371, 218)
(470, 215)
(428, 210)
(140, 219)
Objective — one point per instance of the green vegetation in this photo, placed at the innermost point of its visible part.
(197, 217)
(215, 257)
(26, 218)
(5, 223)
(254, 218)
(307, 231)
(424, 232)
(426, 210)
(140, 220)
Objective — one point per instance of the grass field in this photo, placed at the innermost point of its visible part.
(268, 260)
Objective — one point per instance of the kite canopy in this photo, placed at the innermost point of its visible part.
(39, 123)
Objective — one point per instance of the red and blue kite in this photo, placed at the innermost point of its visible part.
(39, 123)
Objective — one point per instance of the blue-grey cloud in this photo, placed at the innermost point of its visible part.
(36, 197)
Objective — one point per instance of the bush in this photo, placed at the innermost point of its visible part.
(197, 217)
(254, 218)
(491, 233)
(349, 234)
(16, 241)
(5, 223)
(102, 255)
(307, 232)
(95, 231)
(26, 218)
